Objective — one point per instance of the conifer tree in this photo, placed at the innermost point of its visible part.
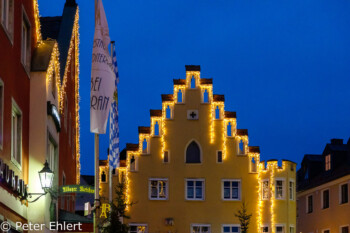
(244, 218)
(113, 223)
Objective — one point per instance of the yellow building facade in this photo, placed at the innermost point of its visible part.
(192, 169)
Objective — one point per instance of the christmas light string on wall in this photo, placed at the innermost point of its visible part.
(54, 69)
(37, 21)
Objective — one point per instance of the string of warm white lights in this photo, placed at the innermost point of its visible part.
(37, 21)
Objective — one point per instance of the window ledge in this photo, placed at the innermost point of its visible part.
(7, 33)
(17, 165)
(231, 199)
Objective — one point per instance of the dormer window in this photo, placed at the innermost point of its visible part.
(328, 162)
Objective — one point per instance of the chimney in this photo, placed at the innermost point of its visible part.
(70, 3)
(193, 68)
(336, 141)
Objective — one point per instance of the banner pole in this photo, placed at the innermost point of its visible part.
(110, 183)
(97, 176)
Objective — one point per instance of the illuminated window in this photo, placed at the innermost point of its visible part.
(205, 96)
(166, 157)
(231, 228)
(16, 135)
(25, 42)
(103, 177)
(265, 189)
(309, 204)
(200, 228)
(345, 229)
(193, 82)
(158, 189)
(279, 189)
(179, 96)
(138, 228)
(231, 190)
(344, 193)
(328, 162)
(325, 199)
(219, 156)
(1, 113)
(265, 229)
(156, 129)
(193, 153)
(280, 229)
(194, 189)
(7, 13)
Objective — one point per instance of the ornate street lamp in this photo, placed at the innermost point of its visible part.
(46, 178)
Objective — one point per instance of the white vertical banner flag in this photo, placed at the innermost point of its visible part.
(102, 73)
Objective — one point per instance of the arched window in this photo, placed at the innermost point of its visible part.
(156, 129)
(144, 146)
(205, 96)
(193, 153)
(229, 129)
(168, 112)
(253, 165)
(193, 82)
(217, 112)
(103, 177)
(179, 96)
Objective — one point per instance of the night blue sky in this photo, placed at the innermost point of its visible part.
(284, 66)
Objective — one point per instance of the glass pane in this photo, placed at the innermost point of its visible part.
(199, 183)
(234, 184)
(189, 183)
(196, 229)
(226, 184)
(226, 193)
(190, 192)
(199, 192)
(226, 229)
(235, 229)
(235, 193)
(205, 229)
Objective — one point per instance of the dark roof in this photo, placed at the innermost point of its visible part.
(206, 81)
(87, 180)
(254, 149)
(144, 129)
(219, 98)
(132, 147)
(50, 27)
(230, 114)
(103, 162)
(179, 81)
(156, 112)
(193, 68)
(123, 154)
(42, 55)
(167, 97)
(65, 32)
(316, 158)
(242, 132)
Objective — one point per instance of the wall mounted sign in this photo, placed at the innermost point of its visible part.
(77, 189)
(52, 111)
(11, 181)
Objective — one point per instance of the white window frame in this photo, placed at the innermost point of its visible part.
(293, 190)
(217, 156)
(280, 225)
(2, 96)
(139, 225)
(51, 160)
(262, 189)
(230, 225)
(168, 156)
(200, 225)
(265, 225)
(239, 189)
(292, 226)
(166, 180)
(25, 58)
(340, 193)
(341, 228)
(329, 198)
(307, 204)
(8, 25)
(18, 112)
(283, 188)
(194, 189)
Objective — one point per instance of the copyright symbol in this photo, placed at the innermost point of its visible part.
(5, 226)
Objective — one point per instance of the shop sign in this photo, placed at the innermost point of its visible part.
(77, 189)
(11, 181)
